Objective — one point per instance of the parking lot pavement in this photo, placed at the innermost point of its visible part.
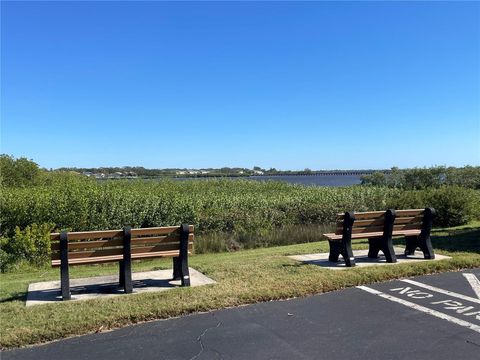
(426, 317)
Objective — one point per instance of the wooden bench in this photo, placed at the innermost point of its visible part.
(379, 227)
(94, 247)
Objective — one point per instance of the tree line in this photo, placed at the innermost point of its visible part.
(423, 178)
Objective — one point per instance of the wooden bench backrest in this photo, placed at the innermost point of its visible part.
(373, 221)
(100, 244)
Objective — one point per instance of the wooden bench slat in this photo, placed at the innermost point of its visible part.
(356, 230)
(380, 228)
(119, 251)
(380, 214)
(89, 244)
(376, 224)
(157, 254)
(333, 236)
(84, 235)
(118, 242)
(159, 248)
(380, 221)
(159, 239)
(159, 230)
(90, 254)
(364, 215)
(408, 213)
(105, 259)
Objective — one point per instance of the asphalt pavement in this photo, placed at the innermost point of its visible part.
(427, 317)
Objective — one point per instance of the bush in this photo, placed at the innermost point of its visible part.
(426, 178)
(31, 245)
(241, 212)
(454, 205)
(19, 172)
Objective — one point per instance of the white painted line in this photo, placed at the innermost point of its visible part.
(474, 283)
(442, 291)
(423, 309)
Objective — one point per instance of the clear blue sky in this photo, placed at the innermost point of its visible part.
(212, 84)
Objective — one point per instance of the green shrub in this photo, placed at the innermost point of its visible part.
(426, 178)
(454, 205)
(31, 245)
(212, 205)
(19, 172)
(246, 212)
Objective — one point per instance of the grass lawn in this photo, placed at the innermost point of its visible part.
(242, 277)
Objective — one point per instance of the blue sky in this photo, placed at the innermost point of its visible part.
(210, 84)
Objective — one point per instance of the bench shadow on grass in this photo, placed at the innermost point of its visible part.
(467, 240)
(94, 290)
(21, 296)
(464, 240)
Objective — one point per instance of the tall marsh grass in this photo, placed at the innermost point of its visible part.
(228, 214)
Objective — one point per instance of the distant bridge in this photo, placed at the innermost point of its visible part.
(333, 172)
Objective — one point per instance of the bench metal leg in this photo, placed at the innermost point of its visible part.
(423, 240)
(126, 263)
(177, 269)
(411, 244)
(346, 243)
(385, 245)
(183, 256)
(347, 254)
(65, 283)
(64, 275)
(388, 251)
(424, 243)
(338, 248)
(344, 246)
(335, 249)
(373, 248)
(121, 277)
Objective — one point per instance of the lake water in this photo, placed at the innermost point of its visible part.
(309, 180)
(318, 180)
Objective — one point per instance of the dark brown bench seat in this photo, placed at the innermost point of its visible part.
(379, 227)
(94, 247)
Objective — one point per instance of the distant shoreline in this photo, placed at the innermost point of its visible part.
(246, 176)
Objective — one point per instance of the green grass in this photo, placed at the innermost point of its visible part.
(242, 277)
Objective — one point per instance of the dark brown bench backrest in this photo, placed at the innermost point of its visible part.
(408, 219)
(100, 244)
(365, 222)
(374, 221)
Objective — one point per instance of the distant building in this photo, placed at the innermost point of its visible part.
(257, 172)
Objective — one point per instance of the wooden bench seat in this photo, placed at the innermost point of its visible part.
(94, 247)
(379, 227)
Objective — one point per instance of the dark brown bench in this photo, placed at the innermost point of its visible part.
(94, 247)
(379, 227)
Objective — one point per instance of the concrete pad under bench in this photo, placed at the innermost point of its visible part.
(48, 292)
(362, 260)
